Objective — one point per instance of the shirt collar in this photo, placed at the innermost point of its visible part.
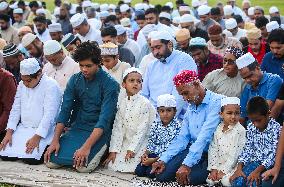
(262, 81)
(169, 58)
(115, 68)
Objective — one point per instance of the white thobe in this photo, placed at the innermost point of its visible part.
(45, 36)
(117, 71)
(34, 112)
(146, 60)
(92, 35)
(63, 72)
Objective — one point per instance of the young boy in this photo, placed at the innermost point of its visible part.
(162, 132)
(71, 42)
(260, 149)
(111, 63)
(228, 142)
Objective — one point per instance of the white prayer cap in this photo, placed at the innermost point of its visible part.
(3, 5)
(96, 5)
(28, 39)
(197, 41)
(87, 3)
(203, 10)
(231, 23)
(228, 10)
(165, 15)
(148, 28)
(162, 35)
(251, 11)
(77, 20)
(245, 60)
(29, 66)
(120, 29)
(186, 18)
(151, 34)
(131, 70)
(146, 6)
(18, 11)
(55, 27)
(104, 7)
(14, 5)
(195, 3)
(112, 6)
(176, 20)
(282, 26)
(127, 1)
(104, 14)
(51, 46)
(230, 101)
(272, 26)
(166, 100)
(139, 6)
(184, 8)
(169, 4)
(273, 10)
(124, 8)
(125, 22)
(40, 11)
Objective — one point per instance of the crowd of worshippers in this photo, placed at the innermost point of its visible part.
(192, 94)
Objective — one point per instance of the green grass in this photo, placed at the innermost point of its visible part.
(266, 4)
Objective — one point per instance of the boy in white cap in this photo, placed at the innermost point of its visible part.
(165, 128)
(60, 67)
(259, 83)
(84, 30)
(30, 128)
(204, 16)
(18, 17)
(227, 144)
(71, 42)
(132, 122)
(111, 63)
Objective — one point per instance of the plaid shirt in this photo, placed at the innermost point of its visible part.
(214, 62)
(229, 42)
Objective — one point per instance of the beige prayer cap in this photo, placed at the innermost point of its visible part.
(25, 29)
(182, 35)
(3, 43)
(253, 34)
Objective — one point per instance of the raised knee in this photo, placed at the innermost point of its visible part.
(52, 165)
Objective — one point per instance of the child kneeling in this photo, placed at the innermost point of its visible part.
(162, 132)
(131, 125)
(228, 142)
(260, 149)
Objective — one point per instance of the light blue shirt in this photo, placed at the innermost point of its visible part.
(199, 125)
(158, 78)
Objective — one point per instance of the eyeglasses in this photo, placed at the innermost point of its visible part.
(229, 61)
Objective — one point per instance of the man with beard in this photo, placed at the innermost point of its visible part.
(41, 27)
(160, 72)
(13, 57)
(55, 31)
(183, 38)
(8, 32)
(273, 62)
(64, 19)
(35, 47)
(256, 47)
(187, 22)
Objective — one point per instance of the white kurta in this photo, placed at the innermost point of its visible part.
(225, 149)
(146, 60)
(45, 36)
(241, 33)
(63, 72)
(117, 71)
(34, 112)
(92, 35)
(130, 131)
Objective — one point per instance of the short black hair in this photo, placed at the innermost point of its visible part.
(88, 50)
(5, 17)
(193, 48)
(140, 17)
(166, 9)
(109, 31)
(165, 41)
(21, 3)
(238, 18)
(179, 2)
(277, 35)
(253, 65)
(276, 18)
(35, 75)
(79, 9)
(261, 21)
(111, 18)
(215, 11)
(40, 19)
(33, 4)
(257, 105)
(152, 10)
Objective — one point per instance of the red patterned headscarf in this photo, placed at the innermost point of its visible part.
(185, 77)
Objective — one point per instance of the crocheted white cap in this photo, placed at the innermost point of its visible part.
(231, 23)
(203, 10)
(166, 100)
(29, 66)
(230, 101)
(51, 47)
(245, 60)
(131, 70)
(272, 26)
(109, 49)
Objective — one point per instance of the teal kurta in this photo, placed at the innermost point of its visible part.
(95, 104)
